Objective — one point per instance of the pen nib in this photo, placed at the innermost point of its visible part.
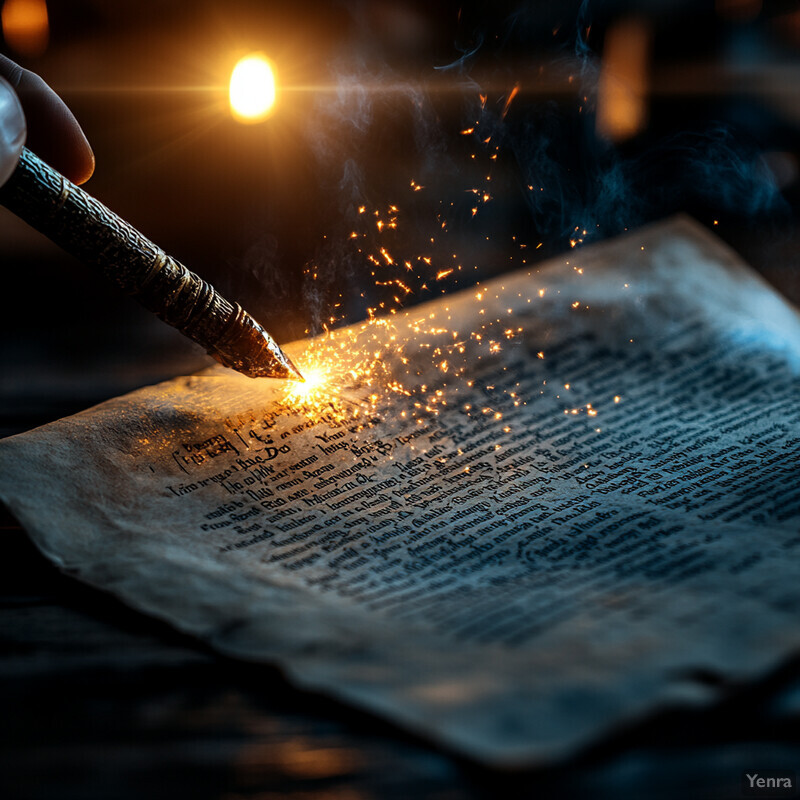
(281, 367)
(296, 375)
(249, 349)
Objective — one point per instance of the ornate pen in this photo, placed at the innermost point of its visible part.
(85, 228)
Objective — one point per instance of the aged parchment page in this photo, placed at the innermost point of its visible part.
(501, 563)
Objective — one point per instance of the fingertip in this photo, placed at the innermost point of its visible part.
(83, 167)
(87, 173)
(53, 132)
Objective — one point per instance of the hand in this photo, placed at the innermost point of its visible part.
(52, 132)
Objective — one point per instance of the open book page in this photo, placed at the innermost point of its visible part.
(510, 520)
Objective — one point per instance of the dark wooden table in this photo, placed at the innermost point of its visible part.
(100, 702)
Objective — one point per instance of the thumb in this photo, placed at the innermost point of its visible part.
(12, 130)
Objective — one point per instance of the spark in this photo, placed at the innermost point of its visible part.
(356, 374)
(511, 96)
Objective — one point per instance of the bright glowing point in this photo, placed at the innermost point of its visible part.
(312, 390)
(252, 88)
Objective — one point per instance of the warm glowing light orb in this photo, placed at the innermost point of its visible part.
(252, 88)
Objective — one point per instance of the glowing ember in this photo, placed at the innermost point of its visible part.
(512, 94)
(252, 88)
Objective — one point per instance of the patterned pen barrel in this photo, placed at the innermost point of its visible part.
(88, 230)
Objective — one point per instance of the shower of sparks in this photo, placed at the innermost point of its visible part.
(415, 363)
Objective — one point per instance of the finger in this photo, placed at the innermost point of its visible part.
(12, 130)
(53, 133)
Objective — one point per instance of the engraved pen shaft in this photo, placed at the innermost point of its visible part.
(88, 230)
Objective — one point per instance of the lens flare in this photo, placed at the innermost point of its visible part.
(252, 88)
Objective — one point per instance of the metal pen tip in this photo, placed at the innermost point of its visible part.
(273, 363)
(295, 373)
(249, 349)
(290, 370)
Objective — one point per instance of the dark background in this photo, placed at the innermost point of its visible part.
(373, 96)
(98, 702)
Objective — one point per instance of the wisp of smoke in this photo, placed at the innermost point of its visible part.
(570, 178)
